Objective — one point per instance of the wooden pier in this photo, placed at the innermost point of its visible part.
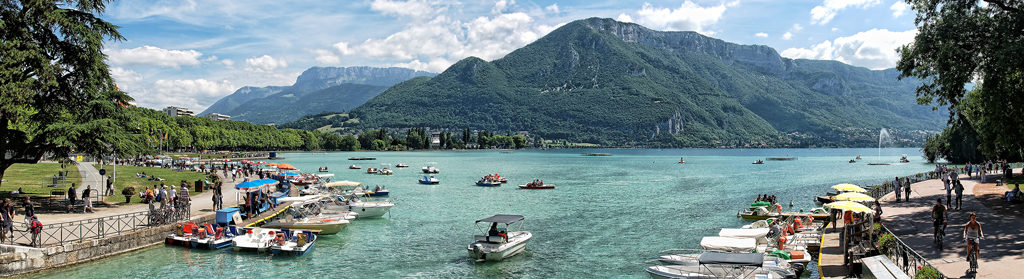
(831, 257)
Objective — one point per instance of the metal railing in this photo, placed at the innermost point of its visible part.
(878, 191)
(97, 228)
(905, 257)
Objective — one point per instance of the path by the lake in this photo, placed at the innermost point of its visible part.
(1002, 248)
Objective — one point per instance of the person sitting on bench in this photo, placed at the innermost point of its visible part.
(1012, 195)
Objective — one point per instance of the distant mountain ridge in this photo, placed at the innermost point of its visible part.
(607, 82)
(316, 90)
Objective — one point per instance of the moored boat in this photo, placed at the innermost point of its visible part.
(429, 180)
(367, 209)
(207, 236)
(400, 165)
(371, 171)
(488, 183)
(758, 162)
(498, 243)
(430, 169)
(537, 184)
(354, 167)
(385, 171)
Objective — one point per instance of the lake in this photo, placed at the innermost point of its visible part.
(607, 216)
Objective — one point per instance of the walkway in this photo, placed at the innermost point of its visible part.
(1002, 248)
(832, 256)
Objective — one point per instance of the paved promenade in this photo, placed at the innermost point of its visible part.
(201, 203)
(1002, 248)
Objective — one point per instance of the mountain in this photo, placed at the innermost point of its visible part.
(316, 90)
(607, 82)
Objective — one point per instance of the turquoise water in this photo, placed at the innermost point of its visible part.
(607, 216)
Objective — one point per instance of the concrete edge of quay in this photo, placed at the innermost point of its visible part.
(17, 261)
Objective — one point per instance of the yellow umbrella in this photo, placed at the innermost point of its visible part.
(847, 187)
(849, 206)
(851, 196)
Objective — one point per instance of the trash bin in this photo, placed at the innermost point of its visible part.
(199, 186)
(224, 215)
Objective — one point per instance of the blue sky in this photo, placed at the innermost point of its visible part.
(191, 53)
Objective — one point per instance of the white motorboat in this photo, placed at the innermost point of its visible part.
(254, 239)
(729, 244)
(429, 180)
(274, 240)
(497, 243)
(758, 234)
(430, 169)
(306, 215)
(367, 209)
(723, 265)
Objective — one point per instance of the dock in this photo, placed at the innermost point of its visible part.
(831, 257)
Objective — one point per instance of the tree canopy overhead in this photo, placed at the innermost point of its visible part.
(960, 42)
(57, 93)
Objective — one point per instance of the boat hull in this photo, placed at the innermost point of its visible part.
(537, 187)
(322, 228)
(488, 251)
(370, 209)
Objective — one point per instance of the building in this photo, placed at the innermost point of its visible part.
(178, 111)
(217, 116)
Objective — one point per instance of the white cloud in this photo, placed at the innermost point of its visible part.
(787, 36)
(796, 27)
(875, 48)
(327, 57)
(264, 64)
(689, 16)
(501, 5)
(228, 63)
(122, 75)
(411, 8)
(761, 34)
(834, 29)
(151, 55)
(435, 44)
(828, 9)
(898, 8)
(552, 9)
(195, 94)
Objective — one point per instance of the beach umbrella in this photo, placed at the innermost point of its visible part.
(286, 167)
(849, 206)
(290, 174)
(852, 196)
(847, 187)
(256, 185)
(272, 164)
(260, 163)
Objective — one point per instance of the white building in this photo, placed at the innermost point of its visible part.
(217, 116)
(178, 111)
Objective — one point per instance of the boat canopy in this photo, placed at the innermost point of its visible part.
(737, 259)
(744, 233)
(255, 185)
(325, 175)
(728, 244)
(501, 218)
(299, 199)
(290, 174)
(343, 183)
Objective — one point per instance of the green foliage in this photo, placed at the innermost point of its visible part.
(57, 93)
(584, 83)
(928, 272)
(957, 144)
(886, 243)
(349, 143)
(964, 42)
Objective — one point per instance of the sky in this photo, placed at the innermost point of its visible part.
(190, 53)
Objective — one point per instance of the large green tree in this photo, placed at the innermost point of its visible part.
(960, 42)
(56, 93)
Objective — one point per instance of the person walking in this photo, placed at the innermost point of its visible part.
(906, 191)
(959, 189)
(6, 220)
(30, 210)
(86, 197)
(896, 184)
(110, 186)
(72, 197)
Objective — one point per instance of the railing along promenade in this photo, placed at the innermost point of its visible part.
(901, 254)
(97, 228)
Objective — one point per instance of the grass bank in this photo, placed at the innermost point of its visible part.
(126, 178)
(37, 179)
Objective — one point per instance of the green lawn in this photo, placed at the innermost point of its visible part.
(32, 178)
(126, 178)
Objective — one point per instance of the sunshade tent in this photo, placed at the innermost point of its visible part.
(849, 206)
(847, 187)
(285, 167)
(501, 218)
(256, 185)
(852, 196)
(344, 183)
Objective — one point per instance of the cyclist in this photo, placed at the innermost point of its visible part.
(973, 235)
(939, 216)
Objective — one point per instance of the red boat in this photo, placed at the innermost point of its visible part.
(537, 184)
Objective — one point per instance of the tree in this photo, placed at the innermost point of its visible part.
(519, 140)
(349, 143)
(56, 93)
(960, 42)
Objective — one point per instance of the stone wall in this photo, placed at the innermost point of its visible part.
(15, 260)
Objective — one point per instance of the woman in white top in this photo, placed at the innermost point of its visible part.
(973, 235)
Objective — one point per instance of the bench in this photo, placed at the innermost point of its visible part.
(882, 268)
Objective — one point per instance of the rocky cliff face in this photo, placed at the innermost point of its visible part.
(317, 78)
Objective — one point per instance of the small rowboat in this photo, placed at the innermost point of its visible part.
(354, 167)
(533, 185)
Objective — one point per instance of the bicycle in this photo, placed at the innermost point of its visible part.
(972, 257)
(938, 235)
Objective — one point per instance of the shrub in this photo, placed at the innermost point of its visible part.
(928, 272)
(886, 243)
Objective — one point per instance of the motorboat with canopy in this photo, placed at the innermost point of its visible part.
(712, 264)
(498, 242)
(304, 214)
(429, 180)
